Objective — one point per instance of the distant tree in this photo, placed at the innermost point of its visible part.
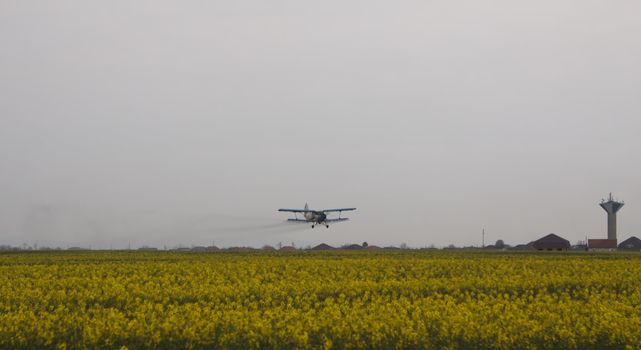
(365, 244)
(499, 244)
(403, 245)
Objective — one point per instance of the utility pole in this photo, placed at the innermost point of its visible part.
(483, 239)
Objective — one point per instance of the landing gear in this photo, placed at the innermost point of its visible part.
(312, 226)
(326, 225)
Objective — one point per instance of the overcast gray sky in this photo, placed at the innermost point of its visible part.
(167, 122)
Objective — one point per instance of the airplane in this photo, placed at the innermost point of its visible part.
(317, 217)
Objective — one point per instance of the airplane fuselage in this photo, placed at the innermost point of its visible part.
(317, 217)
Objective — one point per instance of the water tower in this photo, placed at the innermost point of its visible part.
(611, 206)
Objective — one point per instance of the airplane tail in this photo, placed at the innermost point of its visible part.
(306, 207)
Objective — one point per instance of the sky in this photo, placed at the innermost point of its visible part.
(165, 123)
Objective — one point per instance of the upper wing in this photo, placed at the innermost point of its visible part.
(339, 209)
(295, 210)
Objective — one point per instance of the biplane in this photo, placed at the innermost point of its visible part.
(317, 217)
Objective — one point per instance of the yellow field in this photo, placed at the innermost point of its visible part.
(320, 300)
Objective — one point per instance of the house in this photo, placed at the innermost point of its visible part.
(602, 244)
(631, 244)
(551, 242)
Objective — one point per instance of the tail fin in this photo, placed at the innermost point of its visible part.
(306, 207)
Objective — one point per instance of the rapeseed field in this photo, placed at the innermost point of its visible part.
(320, 300)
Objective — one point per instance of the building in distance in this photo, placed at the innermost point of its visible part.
(323, 246)
(631, 244)
(551, 242)
(602, 244)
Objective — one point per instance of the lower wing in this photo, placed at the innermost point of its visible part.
(337, 220)
(297, 220)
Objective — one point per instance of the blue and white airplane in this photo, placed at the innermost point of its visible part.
(317, 217)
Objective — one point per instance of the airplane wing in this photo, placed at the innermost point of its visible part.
(336, 220)
(295, 210)
(297, 220)
(339, 209)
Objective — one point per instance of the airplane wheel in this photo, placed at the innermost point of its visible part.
(312, 226)
(327, 226)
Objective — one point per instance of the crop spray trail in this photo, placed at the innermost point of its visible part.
(271, 228)
(246, 228)
(172, 229)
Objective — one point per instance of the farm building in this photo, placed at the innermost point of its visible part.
(551, 242)
(323, 246)
(522, 247)
(632, 244)
(602, 244)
